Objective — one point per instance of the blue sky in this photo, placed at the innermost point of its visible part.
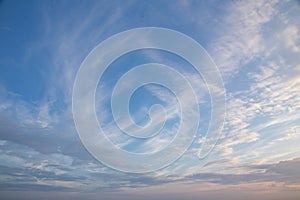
(256, 46)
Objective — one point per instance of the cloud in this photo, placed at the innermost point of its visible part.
(26, 169)
(286, 171)
(291, 36)
(283, 171)
(242, 37)
(31, 170)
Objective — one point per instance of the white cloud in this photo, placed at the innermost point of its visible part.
(37, 115)
(242, 38)
(292, 37)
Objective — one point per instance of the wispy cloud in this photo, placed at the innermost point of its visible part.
(242, 37)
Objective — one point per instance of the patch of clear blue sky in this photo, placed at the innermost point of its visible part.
(19, 22)
(23, 25)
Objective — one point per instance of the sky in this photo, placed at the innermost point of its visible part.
(251, 47)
